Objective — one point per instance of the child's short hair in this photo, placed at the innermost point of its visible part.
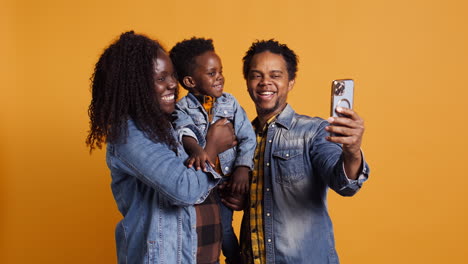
(183, 55)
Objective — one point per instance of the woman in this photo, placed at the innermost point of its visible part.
(134, 89)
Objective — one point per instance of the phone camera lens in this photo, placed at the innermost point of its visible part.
(339, 88)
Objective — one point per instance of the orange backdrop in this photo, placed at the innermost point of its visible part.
(409, 61)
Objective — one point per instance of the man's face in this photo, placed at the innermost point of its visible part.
(268, 83)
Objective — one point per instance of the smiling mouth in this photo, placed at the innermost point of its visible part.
(218, 86)
(266, 93)
(168, 98)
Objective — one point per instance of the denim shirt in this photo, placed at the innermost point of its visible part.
(299, 167)
(155, 193)
(191, 114)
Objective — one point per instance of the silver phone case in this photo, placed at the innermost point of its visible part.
(342, 94)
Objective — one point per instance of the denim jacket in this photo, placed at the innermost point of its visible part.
(155, 193)
(191, 114)
(299, 166)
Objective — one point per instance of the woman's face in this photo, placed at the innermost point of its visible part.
(165, 82)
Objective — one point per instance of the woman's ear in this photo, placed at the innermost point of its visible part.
(189, 82)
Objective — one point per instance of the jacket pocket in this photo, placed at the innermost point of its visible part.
(225, 112)
(289, 165)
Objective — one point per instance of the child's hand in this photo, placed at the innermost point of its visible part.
(239, 183)
(198, 158)
(234, 201)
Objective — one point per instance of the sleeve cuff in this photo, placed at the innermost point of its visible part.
(363, 175)
(217, 178)
(186, 132)
(244, 161)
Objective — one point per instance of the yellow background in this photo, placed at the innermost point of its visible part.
(408, 58)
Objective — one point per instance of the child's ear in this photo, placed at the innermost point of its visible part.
(189, 81)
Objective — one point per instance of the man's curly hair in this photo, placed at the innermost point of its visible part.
(183, 55)
(122, 89)
(272, 46)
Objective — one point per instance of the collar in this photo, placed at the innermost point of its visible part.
(283, 119)
(203, 99)
(195, 101)
(262, 129)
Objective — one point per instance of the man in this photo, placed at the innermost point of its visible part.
(296, 161)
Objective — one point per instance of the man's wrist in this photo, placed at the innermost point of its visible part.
(352, 155)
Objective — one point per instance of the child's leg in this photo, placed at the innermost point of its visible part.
(230, 244)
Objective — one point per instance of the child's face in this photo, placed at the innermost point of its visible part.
(208, 75)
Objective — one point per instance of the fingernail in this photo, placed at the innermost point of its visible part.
(339, 109)
(330, 120)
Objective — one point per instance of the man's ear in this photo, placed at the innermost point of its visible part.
(291, 84)
(189, 81)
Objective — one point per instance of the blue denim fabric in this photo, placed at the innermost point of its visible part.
(155, 193)
(300, 166)
(230, 245)
(191, 114)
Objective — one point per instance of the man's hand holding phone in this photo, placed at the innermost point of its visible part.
(346, 128)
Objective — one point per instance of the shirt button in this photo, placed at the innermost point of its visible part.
(267, 189)
(268, 164)
(225, 112)
(273, 125)
(287, 155)
(254, 230)
(268, 214)
(269, 240)
(253, 205)
(269, 141)
(227, 168)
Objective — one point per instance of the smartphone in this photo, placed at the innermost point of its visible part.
(342, 94)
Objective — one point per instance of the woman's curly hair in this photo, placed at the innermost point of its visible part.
(122, 89)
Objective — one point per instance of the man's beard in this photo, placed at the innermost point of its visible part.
(265, 111)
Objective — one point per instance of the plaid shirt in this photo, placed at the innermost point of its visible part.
(208, 216)
(252, 235)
